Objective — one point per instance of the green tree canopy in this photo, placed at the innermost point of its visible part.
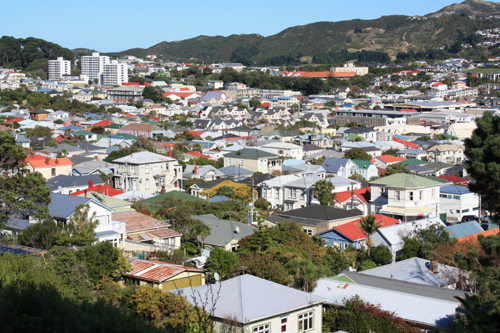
(357, 154)
(323, 191)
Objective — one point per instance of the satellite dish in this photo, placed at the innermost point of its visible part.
(216, 276)
(237, 230)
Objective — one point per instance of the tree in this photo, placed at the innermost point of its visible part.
(369, 225)
(392, 151)
(11, 154)
(40, 235)
(357, 154)
(473, 315)
(255, 103)
(102, 259)
(323, 191)
(222, 262)
(83, 223)
(262, 203)
(200, 231)
(226, 191)
(191, 181)
(482, 163)
(381, 255)
(396, 168)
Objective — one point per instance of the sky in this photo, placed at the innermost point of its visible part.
(112, 26)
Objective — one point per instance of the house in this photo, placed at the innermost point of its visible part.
(461, 131)
(452, 154)
(273, 190)
(351, 233)
(366, 169)
(440, 168)
(146, 130)
(311, 149)
(367, 133)
(65, 184)
(146, 233)
(163, 275)
(457, 201)
(316, 218)
(63, 207)
(383, 161)
(215, 97)
(147, 172)
(418, 270)
(249, 303)
(285, 149)
(427, 307)
(254, 160)
(354, 198)
(49, 167)
(393, 236)
(340, 167)
(404, 196)
(224, 233)
(205, 172)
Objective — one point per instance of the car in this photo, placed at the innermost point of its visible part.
(467, 218)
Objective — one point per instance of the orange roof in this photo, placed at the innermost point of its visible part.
(105, 189)
(390, 159)
(359, 193)
(353, 231)
(197, 154)
(49, 162)
(343, 74)
(473, 238)
(157, 271)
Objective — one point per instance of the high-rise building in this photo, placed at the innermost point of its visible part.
(92, 66)
(58, 68)
(114, 73)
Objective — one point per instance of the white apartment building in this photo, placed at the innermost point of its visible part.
(92, 66)
(147, 172)
(58, 68)
(114, 73)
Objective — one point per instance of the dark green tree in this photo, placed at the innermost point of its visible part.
(323, 191)
(482, 163)
(396, 168)
(222, 262)
(357, 154)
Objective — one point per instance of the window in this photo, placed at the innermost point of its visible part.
(264, 192)
(53, 172)
(276, 193)
(456, 197)
(433, 193)
(398, 195)
(147, 168)
(284, 324)
(443, 196)
(228, 161)
(147, 184)
(306, 321)
(410, 195)
(308, 231)
(465, 210)
(156, 169)
(421, 195)
(266, 328)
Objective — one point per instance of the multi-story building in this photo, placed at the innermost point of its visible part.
(92, 66)
(58, 68)
(114, 73)
(454, 154)
(147, 172)
(255, 160)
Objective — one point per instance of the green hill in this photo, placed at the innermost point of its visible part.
(392, 34)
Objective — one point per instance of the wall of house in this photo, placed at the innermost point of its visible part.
(184, 280)
(456, 206)
(52, 171)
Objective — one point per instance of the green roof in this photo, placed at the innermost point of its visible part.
(404, 180)
(438, 165)
(411, 161)
(118, 126)
(172, 194)
(127, 136)
(83, 133)
(341, 277)
(352, 137)
(362, 163)
(437, 179)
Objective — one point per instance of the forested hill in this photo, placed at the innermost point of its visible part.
(30, 54)
(390, 34)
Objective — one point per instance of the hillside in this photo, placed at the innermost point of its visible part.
(477, 8)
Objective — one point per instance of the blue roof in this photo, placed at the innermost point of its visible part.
(455, 189)
(464, 229)
(291, 162)
(333, 164)
(71, 127)
(63, 206)
(219, 198)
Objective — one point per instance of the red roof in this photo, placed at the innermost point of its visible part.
(179, 94)
(104, 123)
(157, 271)
(363, 194)
(105, 189)
(353, 231)
(473, 238)
(455, 179)
(405, 142)
(197, 132)
(390, 159)
(196, 154)
(8, 122)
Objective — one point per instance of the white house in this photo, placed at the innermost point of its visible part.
(457, 201)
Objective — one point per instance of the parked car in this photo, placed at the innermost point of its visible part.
(467, 218)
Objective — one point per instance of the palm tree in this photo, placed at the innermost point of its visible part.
(200, 231)
(369, 226)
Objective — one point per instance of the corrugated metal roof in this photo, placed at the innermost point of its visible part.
(157, 271)
(464, 229)
(248, 298)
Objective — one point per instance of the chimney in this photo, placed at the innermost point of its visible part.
(170, 153)
(91, 183)
(163, 190)
(47, 159)
(57, 160)
(87, 149)
(85, 193)
(32, 154)
(434, 265)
